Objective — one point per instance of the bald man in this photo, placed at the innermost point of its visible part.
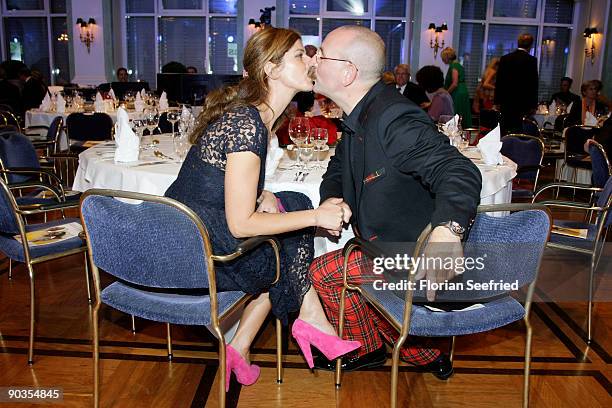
(394, 174)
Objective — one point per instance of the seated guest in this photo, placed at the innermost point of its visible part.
(388, 78)
(192, 70)
(305, 102)
(603, 136)
(409, 89)
(431, 79)
(565, 96)
(33, 91)
(9, 94)
(591, 101)
(122, 74)
(174, 67)
(222, 181)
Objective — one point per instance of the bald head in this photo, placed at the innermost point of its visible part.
(363, 47)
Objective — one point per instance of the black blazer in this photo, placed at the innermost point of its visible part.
(516, 84)
(33, 93)
(415, 93)
(397, 172)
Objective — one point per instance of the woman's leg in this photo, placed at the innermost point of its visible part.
(252, 318)
(312, 312)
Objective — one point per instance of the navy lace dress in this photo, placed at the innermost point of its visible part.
(200, 185)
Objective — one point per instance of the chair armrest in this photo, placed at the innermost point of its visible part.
(43, 208)
(251, 243)
(522, 169)
(574, 186)
(35, 184)
(25, 129)
(32, 171)
(571, 204)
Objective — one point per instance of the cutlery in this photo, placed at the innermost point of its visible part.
(304, 174)
(297, 175)
(149, 163)
(161, 155)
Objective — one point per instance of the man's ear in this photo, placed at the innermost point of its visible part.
(349, 75)
(272, 70)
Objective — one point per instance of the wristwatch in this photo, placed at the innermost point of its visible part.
(454, 227)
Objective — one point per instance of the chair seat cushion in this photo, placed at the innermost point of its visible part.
(166, 307)
(575, 241)
(424, 322)
(14, 249)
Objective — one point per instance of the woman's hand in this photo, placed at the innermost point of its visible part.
(267, 203)
(332, 214)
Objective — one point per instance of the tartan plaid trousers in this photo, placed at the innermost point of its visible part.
(361, 321)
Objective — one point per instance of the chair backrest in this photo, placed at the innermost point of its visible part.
(509, 248)
(600, 164)
(524, 150)
(16, 150)
(530, 127)
(54, 132)
(10, 119)
(605, 200)
(82, 126)
(575, 137)
(8, 218)
(164, 125)
(560, 122)
(158, 243)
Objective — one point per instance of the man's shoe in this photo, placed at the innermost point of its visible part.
(375, 358)
(441, 367)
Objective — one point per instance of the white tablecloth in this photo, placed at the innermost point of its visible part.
(97, 169)
(541, 119)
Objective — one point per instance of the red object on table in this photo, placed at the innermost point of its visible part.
(282, 133)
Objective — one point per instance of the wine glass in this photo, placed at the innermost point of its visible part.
(319, 137)
(305, 154)
(181, 146)
(299, 128)
(151, 120)
(173, 116)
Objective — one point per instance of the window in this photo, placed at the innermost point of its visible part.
(36, 33)
(199, 33)
(488, 32)
(314, 19)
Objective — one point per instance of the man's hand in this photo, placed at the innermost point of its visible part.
(346, 212)
(267, 203)
(442, 245)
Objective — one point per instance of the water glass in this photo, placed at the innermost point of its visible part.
(319, 138)
(299, 128)
(181, 146)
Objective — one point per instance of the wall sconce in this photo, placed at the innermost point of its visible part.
(435, 35)
(548, 44)
(86, 31)
(265, 20)
(590, 32)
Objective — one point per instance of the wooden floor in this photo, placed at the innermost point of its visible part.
(566, 372)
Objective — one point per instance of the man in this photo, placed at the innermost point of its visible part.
(33, 91)
(407, 88)
(122, 74)
(565, 96)
(9, 94)
(516, 85)
(393, 173)
(192, 70)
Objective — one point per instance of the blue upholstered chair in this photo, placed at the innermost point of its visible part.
(12, 223)
(513, 245)
(574, 138)
(530, 127)
(82, 127)
(126, 240)
(592, 245)
(51, 144)
(527, 152)
(600, 163)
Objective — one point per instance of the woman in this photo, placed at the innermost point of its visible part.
(455, 85)
(222, 180)
(485, 92)
(431, 79)
(591, 99)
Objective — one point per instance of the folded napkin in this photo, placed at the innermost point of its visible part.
(552, 108)
(589, 119)
(99, 103)
(142, 93)
(139, 104)
(490, 146)
(111, 94)
(45, 105)
(185, 114)
(60, 104)
(128, 144)
(163, 101)
(451, 128)
(273, 158)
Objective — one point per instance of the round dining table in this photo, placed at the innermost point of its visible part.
(153, 175)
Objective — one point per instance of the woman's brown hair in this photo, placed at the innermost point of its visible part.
(269, 44)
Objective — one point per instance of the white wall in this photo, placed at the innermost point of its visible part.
(89, 68)
(437, 12)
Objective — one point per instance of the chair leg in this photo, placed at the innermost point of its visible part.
(32, 315)
(590, 305)
(87, 279)
(527, 362)
(169, 341)
(452, 349)
(222, 372)
(96, 356)
(395, 373)
(10, 273)
(279, 352)
(133, 324)
(340, 330)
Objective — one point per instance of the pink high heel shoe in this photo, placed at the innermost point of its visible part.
(331, 346)
(245, 374)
